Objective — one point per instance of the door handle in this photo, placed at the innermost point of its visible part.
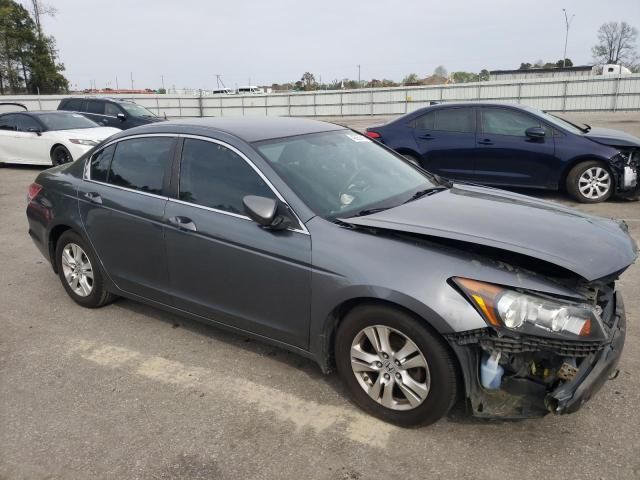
(425, 136)
(485, 141)
(93, 197)
(183, 223)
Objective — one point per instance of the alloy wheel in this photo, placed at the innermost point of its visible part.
(594, 183)
(390, 367)
(77, 270)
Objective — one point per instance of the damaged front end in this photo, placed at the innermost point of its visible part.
(626, 171)
(543, 355)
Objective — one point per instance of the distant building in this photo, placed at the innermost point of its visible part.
(581, 71)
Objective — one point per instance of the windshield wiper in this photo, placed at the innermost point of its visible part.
(370, 211)
(585, 130)
(425, 192)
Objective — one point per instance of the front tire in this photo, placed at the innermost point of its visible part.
(394, 367)
(590, 182)
(80, 272)
(60, 155)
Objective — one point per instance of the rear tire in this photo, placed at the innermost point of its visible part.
(80, 272)
(590, 182)
(408, 390)
(60, 155)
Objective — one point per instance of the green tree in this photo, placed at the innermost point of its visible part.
(440, 71)
(309, 81)
(525, 66)
(411, 78)
(483, 76)
(464, 77)
(616, 44)
(27, 56)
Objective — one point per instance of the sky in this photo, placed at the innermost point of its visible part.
(188, 42)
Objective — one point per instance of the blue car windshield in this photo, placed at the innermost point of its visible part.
(342, 173)
(557, 121)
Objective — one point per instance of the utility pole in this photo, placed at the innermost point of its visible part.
(162, 81)
(131, 73)
(117, 86)
(567, 21)
(358, 75)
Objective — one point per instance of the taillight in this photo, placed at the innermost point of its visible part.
(34, 190)
(372, 134)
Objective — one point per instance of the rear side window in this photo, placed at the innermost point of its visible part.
(501, 121)
(140, 163)
(214, 176)
(461, 120)
(72, 105)
(95, 106)
(100, 163)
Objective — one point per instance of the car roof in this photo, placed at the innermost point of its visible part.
(249, 129)
(106, 99)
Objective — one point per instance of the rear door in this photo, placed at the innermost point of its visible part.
(8, 137)
(507, 156)
(446, 140)
(225, 267)
(96, 112)
(122, 204)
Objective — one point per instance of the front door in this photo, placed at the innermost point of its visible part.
(122, 205)
(446, 140)
(222, 265)
(507, 156)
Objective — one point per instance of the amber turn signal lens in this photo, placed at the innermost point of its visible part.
(484, 296)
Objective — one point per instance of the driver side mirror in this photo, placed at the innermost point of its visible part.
(35, 130)
(121, 117)
(535, 133)
(265, 212)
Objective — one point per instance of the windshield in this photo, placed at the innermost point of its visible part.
(65, 121)
(557, 121)
(136, 110)
(342, 173)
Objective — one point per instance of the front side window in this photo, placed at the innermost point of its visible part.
(111, 109)
(341, 173)
(74, 105)
(26, 124)
(9, 122)
(100, 163)
(95, 106)
(214, 176)
(140, 163)
(501, 121)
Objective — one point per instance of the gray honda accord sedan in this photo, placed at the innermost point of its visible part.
(420, 292)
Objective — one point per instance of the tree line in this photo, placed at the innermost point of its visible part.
(28, 57)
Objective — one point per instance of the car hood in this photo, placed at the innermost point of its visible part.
(97, 134)
(614, 138)
(591, 247)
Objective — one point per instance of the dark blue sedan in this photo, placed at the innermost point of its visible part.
(516, 146)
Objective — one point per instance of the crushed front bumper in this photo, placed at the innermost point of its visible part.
(520, 397)
(593, 372)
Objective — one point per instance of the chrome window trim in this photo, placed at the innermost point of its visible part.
(275, 191)
(87, 177)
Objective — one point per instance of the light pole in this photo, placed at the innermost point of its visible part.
(567, 21)
(358, 75)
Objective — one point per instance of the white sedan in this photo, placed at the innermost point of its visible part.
(48, 138)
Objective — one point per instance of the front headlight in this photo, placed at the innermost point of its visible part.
(530, 313)
(83, 141)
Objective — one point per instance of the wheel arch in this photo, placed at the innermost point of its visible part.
(562, 183)
(54, 235)
(326, 350)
